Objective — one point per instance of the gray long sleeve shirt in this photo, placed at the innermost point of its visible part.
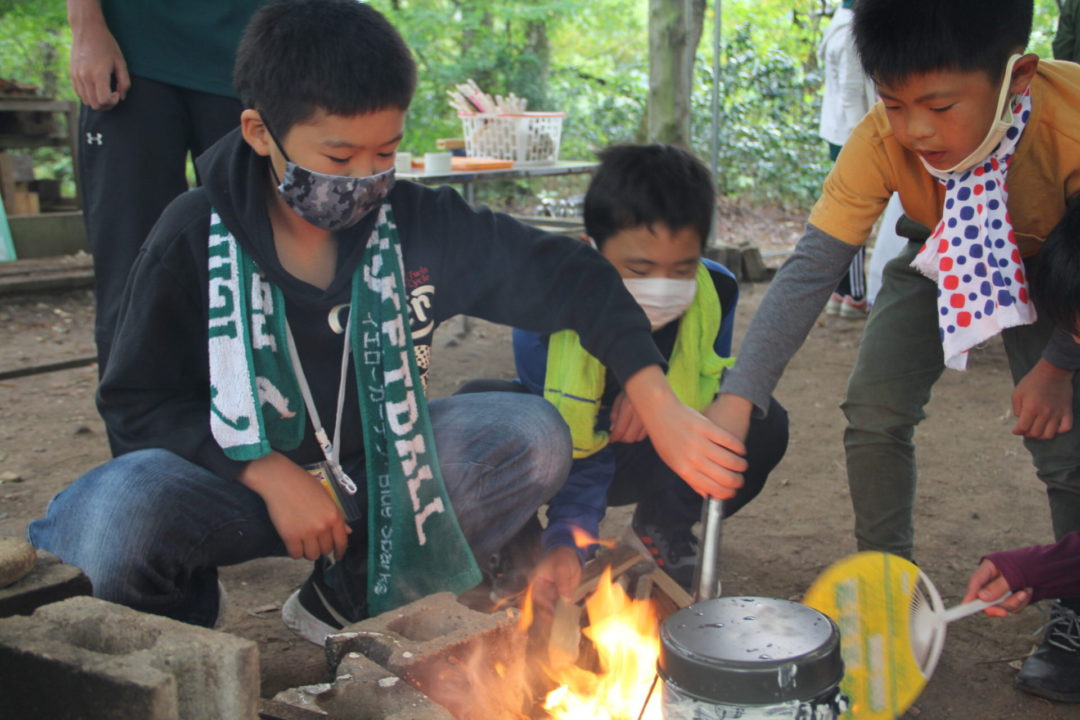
(791, 306)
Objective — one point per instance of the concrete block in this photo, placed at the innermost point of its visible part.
(365, 691)
(727, 255)
(48, 235)
(753, 266)
(471, 663)
(48, 582)
(88, 658)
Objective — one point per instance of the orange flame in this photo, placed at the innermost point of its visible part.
(583, 539)
(625, 633)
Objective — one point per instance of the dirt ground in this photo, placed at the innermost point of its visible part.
(978, 491)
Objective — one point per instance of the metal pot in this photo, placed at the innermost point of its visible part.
(749, 658)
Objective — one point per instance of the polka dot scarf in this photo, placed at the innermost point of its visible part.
(972, 253)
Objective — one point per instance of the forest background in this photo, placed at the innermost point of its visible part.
(588, 58)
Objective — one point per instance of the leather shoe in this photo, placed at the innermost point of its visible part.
(1053, 670)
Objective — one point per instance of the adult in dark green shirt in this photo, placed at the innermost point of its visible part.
(1067, 40)
(155, 79)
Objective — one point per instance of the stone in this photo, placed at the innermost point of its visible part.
(49, 581)
(17, 559)
(472, 663)
(85, 657)
(363, 690)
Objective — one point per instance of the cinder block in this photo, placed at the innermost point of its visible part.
(88, 658)
(365, 691)
(461, 658)
(50, 581)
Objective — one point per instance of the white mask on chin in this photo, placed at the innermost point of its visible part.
(662, 299)
(1003, 120)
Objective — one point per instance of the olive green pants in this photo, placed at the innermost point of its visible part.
(899, 361)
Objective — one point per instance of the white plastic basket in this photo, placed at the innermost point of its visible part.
(530, 138)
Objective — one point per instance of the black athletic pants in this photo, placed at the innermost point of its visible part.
(132, 163)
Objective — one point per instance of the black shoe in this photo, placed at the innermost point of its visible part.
(673, 548)
(331, 598)
(1053, 670)
(508, 569)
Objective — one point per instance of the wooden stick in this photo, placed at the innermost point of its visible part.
(672, 589)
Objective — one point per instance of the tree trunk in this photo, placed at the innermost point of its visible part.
(674, 31)
(533, 66)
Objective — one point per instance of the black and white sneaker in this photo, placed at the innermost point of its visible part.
(673, 548)
(328, 600)
(1052, 671)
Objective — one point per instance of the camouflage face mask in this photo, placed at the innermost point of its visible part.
(332, 202)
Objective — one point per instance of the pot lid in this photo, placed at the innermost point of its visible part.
(750, 651)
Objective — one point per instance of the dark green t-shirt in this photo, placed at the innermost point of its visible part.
(188, 43)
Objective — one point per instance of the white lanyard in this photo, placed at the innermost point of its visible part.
(330, 449)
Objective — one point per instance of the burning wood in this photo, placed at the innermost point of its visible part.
(482, 666)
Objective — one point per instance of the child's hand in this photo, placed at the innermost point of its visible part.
(556, 575)
(304, 515)
(988, 584)
(731, 413)
(708, 458)
(626, 426)
(1042, 402)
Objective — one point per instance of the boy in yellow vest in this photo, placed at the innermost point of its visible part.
(648, 210)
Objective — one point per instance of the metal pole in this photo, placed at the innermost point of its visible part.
(708, 570)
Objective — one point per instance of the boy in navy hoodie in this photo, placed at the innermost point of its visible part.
(264, 393)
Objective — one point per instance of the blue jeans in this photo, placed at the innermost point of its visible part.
(150, 528)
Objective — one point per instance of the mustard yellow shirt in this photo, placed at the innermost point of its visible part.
(1044, 172)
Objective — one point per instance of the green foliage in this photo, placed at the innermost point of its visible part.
(769, 149)
(35, 45)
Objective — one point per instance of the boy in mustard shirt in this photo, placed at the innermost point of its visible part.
(963, 109)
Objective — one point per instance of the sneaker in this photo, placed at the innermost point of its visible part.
(833, 306)
(318, 609)
(673, 549)
(851, 309)
(1052, 671)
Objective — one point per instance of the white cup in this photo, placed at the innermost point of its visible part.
(437, 163)
(403, 162)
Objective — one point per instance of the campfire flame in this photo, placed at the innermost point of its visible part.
(583, 539)
(625, 633)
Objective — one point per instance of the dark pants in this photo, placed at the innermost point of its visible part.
(900, 359)
(132, 163)
(663, 497)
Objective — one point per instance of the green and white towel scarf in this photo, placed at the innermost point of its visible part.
(415, 546)
(574, 380)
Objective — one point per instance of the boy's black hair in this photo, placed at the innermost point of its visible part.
(341, 56)
(900, 38)
(648, 184)
(1055, 283)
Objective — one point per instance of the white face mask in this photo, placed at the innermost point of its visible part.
(662, 299)
(1004, 121)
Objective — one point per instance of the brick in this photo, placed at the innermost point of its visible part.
(364, 690)
(50, 581)
(461, 658)
(88, 658)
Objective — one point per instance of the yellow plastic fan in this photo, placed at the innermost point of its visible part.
(892, 629)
